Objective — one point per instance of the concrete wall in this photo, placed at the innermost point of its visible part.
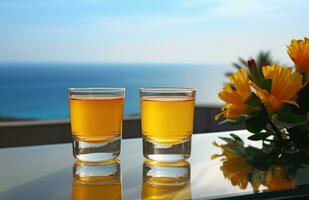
(25, 133)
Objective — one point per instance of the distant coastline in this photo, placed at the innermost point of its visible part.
(8, 119)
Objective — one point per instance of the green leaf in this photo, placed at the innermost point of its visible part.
(237, 66)
(303, 99)
(257, 122)
(255, 155)
(236, 137)
(253, 100)
(286, 114)
(300, 135)
(228, 74)
(226, 139)
(259, 136)
(242, 61)
(266, 84)
(299, 132)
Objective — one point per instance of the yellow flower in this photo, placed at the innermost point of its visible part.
(299, 53)
(276, 178)
(234, 167)
(235, 98)
(285, 85)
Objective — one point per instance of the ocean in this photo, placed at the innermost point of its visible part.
(39, 90)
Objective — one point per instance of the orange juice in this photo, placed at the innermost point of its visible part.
(167, 119)
(96, 117)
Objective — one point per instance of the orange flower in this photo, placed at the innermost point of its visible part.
(299, 53)
(276, 178)
(235, 98)
(285, 85)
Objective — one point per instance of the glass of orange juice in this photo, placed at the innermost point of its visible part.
(167, 123)
(96, 122)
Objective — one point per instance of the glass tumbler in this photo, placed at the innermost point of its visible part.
(167, 123)
(96, 122)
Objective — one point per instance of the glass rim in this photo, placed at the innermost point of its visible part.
(96, 89)
(167, 89)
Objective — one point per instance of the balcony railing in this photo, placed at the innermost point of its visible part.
(25, 133)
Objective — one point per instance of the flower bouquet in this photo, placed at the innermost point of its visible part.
(272, 101)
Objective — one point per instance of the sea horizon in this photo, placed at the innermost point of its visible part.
(38, 90)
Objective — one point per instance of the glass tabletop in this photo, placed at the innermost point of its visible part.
(46, 172)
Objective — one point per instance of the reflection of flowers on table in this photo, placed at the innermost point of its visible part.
(271, 166)
(234, 167)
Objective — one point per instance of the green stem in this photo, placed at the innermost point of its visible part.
(276, 130)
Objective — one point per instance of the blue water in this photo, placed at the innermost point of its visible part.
(39, 91)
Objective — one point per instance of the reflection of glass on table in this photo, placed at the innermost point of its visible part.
(93, 181)
(167, 123)
(96, 122)
(166, 180)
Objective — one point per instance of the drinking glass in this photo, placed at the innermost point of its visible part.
(167, 123)
(96, 122)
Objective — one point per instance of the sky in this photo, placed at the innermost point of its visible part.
(160, 31)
